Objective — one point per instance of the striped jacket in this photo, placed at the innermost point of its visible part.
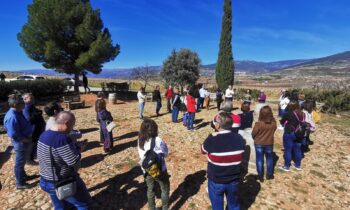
(225, 153)
(65, 153)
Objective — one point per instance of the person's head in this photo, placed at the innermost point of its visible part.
(52, 108)
(169, 87)
(28, 98)
(248, 91)
(261, 91)
(218, 90)
(293, 106)
(245, 107)
(227, 106)
(157, 87)
(148, 130)
(309, 106)
(142, 89)
(100, 95)
(266, 115)
(223, 121)
(101, 104)
(287, 94)
(301, 96)
(16, 102)
(176, 90)
(65, 121)
(230, 87)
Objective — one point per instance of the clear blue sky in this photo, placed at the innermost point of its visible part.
(147, 30)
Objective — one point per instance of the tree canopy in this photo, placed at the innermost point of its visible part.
(225, 66)
(181, 68)
(67, 36)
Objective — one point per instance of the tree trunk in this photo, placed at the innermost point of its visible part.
(76, 83)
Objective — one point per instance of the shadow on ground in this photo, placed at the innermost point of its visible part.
(248, 190)
(121, 191)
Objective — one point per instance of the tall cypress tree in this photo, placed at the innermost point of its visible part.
(225, 65)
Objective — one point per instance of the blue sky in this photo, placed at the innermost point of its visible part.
(147, 30)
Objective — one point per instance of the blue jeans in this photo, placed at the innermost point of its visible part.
(142, 106)
(292, 150)
(20, 160)
(217, 192)
(174, 114)
(80, 200)
(260, 151)
(158, 106)
(190, 120)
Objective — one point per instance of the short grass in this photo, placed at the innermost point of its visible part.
(342, 124)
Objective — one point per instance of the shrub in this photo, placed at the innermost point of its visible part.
(39, 88)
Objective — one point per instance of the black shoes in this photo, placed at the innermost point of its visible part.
(269, 177)
(30, 177)
(23, 186)
(32, 163)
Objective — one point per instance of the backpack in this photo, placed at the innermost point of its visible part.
(152, 162)
(302, 129)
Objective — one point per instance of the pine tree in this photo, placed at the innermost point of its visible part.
(225, 65)
(67, 36)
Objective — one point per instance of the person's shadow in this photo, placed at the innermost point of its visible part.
(247, 191)
(121, 191)
(189, 187)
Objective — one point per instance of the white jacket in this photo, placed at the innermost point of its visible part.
(310, 120)
(284, 103)
(141, 97)
(229, 93)
(159, 147)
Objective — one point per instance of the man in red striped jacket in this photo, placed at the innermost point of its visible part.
(225, 154)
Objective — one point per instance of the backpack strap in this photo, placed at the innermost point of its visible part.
(153, 143)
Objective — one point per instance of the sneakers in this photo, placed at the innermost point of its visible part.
(283, 168)
(297, 168)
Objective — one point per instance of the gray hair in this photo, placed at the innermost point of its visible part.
(64, 117)
(224, 120)
(27, 94)
(227, 106)
(15, 99)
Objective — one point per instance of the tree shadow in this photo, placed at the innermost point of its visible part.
(197, 121)
(122, 191)
(202, 125)
(249, 188)
(121, 147)
(88, 130)
(189, 187)
(127, 135)
(91, 145)
(5, 156)
(91, 160)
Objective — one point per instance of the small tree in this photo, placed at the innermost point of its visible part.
(144, 73)
(181, 68)
(225, 66)
(67, 36)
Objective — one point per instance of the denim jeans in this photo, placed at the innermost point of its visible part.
(190, 120)
(292, 150)
(217, 192)
(142, 106)
(20, 160)
(174, 114)
(158, 106)
(80, 200)
(261, 151)
(163, 181)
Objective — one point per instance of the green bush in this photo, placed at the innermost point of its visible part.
(39, 88)
(242, 91)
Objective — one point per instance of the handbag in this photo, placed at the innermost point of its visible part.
(110, 126)
(65, 187)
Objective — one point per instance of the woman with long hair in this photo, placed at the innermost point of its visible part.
(104, 117)
(263, 135)
(148, 136)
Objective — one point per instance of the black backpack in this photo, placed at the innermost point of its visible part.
(302, 129)
(152, 162)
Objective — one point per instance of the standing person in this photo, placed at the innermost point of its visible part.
(104, 118)
(247, 97)
(19, 130)
(263, 135)
(59, 158)
(246, 116)
(2, 77)
(149, 140)
(175, 105)
(225, 154)
(35, 118)
(196, 97)
(191, 110)
(158, 99)
(141, 96)
(100, 97)
(284, 101)
(184, 108)
(307, 109)
(229, 93)
(85, 82)
(236, 119)
(218, 98)
(168, 96)
(207, 99)
(292, 145)
(52, 109)
(261, 102)
(202, 92)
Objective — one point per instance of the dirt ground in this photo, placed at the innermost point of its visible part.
(116, 182)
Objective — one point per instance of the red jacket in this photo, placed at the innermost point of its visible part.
(169, 93)
(191, 104)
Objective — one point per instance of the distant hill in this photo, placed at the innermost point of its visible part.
(334, 65)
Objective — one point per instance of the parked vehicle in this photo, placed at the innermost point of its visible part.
(26, 77)
(72, 81)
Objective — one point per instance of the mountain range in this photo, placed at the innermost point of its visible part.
(334, 65)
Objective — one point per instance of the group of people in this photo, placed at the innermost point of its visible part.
(59, 149)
